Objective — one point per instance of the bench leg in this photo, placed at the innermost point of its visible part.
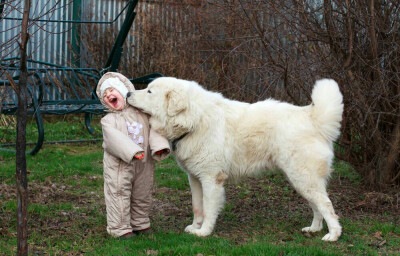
(88, 118)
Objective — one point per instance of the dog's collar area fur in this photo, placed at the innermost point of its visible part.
(175, 141)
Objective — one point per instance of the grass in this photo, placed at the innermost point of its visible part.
(68, 127)
(262, 216)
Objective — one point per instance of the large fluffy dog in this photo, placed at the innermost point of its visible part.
(214, 138)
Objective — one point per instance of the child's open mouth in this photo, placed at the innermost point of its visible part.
(113, 101)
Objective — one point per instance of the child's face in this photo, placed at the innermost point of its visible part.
(113, 98)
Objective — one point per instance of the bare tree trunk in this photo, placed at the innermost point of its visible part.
(21, 178)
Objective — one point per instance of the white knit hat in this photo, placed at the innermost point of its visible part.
(114, 83)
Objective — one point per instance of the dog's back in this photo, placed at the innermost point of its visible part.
(266, 134)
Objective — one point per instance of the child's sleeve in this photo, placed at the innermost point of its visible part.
(116, 143)
(158, 144)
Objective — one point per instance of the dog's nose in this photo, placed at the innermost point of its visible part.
(128, 94)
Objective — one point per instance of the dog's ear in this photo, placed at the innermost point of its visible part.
(175, 103)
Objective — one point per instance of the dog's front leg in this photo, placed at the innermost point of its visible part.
(197, 203)
(213, 202)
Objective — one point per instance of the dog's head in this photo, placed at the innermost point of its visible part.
(167, 101)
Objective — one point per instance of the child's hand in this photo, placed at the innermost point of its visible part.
(139, 155)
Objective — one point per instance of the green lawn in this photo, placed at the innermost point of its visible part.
(262, 216)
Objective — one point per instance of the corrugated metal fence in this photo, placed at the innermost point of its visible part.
(54, 42)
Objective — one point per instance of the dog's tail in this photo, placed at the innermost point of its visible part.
(327, 108)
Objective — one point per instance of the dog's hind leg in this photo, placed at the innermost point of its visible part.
(314, 191)
(316, 224)
(213, 202)
(325, 207)
(197, 203)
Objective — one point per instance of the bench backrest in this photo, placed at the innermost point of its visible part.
(56, 90)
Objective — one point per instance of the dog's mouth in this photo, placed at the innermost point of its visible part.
(142, 110)
(132, 103)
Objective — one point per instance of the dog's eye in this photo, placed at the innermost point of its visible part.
(148, 91)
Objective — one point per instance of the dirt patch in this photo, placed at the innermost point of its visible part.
(47, 192)
(55, 209)
(357, 201)
(172, 210)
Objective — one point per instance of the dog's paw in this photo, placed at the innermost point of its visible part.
(311, 229)
(202, 232)
(199, 232)
(190, 229)
(330, 238)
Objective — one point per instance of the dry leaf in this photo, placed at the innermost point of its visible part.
(151, 252)
(378, 235)
(382, 243)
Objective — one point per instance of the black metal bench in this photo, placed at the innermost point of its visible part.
(62, 90)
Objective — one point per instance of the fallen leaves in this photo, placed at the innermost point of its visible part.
(381, 241)
(151, 252)
(378, 235)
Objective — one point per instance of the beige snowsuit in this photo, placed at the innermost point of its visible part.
(128, 182)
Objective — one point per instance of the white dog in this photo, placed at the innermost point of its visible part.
(214, 138)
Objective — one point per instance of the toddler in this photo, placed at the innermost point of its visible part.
(130, 147)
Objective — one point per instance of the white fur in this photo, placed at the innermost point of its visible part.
(231, 139)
